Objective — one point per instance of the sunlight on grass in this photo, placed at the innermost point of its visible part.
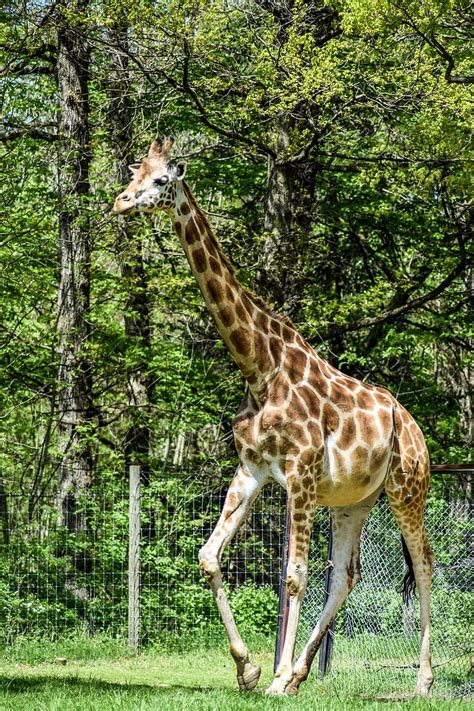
(202, 680)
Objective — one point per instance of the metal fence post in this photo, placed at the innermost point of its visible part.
(325, 650)
(134, 560)
(283, 597)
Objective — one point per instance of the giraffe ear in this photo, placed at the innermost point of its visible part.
(155, 148)
(134, 168)
(167, 145)
(180, 169)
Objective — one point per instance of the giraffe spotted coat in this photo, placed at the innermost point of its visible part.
(327, 438)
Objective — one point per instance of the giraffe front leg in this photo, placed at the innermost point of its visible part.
(347, 526)
(243, 491)
(302, 505)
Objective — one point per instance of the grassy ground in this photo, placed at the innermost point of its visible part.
(201, 681)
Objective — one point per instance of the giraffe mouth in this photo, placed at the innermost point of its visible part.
(127, 211)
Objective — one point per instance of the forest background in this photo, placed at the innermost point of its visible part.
(329, 143)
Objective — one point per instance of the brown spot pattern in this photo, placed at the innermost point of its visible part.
(330, 418)
(191, 235)
(214, 288)
(347, 436)
(199, 260)
(226, 315)
(241, 341)
(295, 364)
(215, 266)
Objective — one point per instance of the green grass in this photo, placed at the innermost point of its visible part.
(199, 680)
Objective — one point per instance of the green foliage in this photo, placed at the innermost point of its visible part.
(255, 609)
(356, 93)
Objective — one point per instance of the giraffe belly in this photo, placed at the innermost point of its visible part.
(345, 493)
(344, 481)
(346, 490)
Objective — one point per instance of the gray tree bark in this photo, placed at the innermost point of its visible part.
(75, 411)
(130, 258)
(289, 205)
(288, 216)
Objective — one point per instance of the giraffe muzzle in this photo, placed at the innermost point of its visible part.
(124, 205)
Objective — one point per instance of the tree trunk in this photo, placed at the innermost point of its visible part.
(129, 254)
(4, 513)
(289, 213)
(289, 205)
(75, 412)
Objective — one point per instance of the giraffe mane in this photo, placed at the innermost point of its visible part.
(258, 300)
(265, 306)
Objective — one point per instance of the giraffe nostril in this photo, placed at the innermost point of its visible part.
(125, 197)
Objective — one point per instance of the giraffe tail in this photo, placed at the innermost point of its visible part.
(409, 584)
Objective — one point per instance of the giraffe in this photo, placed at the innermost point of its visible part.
(327, 438)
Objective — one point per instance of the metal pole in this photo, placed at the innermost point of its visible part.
(4, 513)
(134, 560)
(283, 598)
(325, 650)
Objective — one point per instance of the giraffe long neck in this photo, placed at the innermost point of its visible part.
(254, 337)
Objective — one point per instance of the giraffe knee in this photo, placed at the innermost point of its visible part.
(296, 578)
(208, 563)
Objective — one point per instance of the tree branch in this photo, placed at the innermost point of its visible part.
(13, 133)
(390, 314)
(21, 69)
(401, 160)
(443, 52)
(439, 48)
(266, 150)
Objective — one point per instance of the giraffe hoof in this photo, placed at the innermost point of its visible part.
(292, 688)
(248, 680)
(280, 688)
(423, 688)
(274, 692)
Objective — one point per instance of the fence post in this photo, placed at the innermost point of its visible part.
(283, 597)
(4, 513)
(325, 650)
(134, 559)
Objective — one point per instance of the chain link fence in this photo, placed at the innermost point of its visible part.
(55, 581)
(374, 631)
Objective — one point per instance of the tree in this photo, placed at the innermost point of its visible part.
(129, 253)
(75, 407)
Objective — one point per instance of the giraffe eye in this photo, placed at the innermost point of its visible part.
(161, 181)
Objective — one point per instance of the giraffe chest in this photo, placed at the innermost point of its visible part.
(271, 440)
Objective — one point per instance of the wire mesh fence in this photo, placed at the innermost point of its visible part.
(374, 631)
(55, 581)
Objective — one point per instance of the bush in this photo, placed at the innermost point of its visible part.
(255, 609)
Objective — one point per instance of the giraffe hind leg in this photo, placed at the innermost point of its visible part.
(407, 504)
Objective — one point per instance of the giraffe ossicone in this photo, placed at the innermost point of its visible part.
(327, 438)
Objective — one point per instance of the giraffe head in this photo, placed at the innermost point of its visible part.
(153, 186)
